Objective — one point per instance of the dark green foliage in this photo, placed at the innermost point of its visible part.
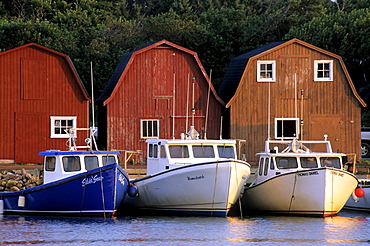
(218, 30)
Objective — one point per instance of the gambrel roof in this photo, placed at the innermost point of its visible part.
(65, 57)
(233, 77)
(127, 59)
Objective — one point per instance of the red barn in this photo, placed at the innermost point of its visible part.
(151, 95)
(40, 95)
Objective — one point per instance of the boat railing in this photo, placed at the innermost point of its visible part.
(298, 145)
(90, 141)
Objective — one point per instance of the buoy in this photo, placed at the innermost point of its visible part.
(21, 201)
(1, 206)
(132, 190)
(359, 192)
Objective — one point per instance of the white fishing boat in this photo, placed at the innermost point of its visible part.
(298, 181)
(190, 176)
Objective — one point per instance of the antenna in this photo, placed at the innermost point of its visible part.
(92, 95)
(187, 104)
(295, 95)
(173, 107)
(209, 91)
(269, 112)
(193, 109)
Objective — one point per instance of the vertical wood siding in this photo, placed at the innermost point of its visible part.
(156, 82)
(328, 107)
(34, 85)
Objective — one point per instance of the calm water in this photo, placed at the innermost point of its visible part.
(348, 228)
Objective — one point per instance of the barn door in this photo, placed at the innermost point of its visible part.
(31, 131)
(326, 124)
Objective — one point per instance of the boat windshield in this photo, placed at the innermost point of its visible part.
(203, 151)
(50, 163)
(308, 162)
(286, 162)
(108, 160)
(226, 151)
(179, 151)
(330, 162)
(91, 162)
(71, 163)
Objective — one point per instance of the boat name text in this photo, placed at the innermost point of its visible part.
(91, 180)
(337, 173)
(196, 177)
(308, 173)
(121, 179)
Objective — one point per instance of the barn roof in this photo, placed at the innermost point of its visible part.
(67, 59)
(231, 82)
(114, 82)
(236, 69)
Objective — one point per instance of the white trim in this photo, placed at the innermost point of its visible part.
(273, 71)
(141, 128)
(286, 119)
(328, 78)
(52, 125)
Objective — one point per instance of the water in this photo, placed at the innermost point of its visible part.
(348, 228)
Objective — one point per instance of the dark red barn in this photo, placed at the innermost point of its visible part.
(40, 95)
(151, 95)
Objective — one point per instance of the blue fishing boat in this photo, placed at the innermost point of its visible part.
(76, 183)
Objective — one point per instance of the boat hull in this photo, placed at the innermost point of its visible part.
(197, 189)
(315, 192)
(363, 203)
(97, 192)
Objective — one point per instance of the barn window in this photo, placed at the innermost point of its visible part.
(149, 128)
(324, 70)
(286, 128)
(58, 125)
(265, 71)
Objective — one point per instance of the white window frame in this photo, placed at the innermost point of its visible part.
(53, 119)
(316, 70)
(273, 71)
(287, 119)
(142, 129)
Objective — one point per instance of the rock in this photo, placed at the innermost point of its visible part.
(18, 180)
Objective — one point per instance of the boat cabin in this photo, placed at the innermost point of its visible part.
(62, 164)
(295, 157)
(167, 153)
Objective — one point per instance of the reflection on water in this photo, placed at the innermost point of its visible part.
(346, 228)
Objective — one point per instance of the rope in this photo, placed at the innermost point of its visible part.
(240, 195)
(102, 192)
(214, 189)
(291, 199)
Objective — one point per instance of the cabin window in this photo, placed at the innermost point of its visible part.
(286, 128)
(179, 151)
(149, 128)
(308, 162)
(203, 151)
(163, 152)
(272, 166)
(108, 160)
(267, 160)
(330, 162)
(59, 125)
(266, 71)
(153, 151)
(71, 163)
(226, 151)
(286, 162)
(91, 162)
(50, 163)
(260, 167)
(324, 70)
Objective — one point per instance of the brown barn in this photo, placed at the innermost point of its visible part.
(40, 95)
(291, 88)
(151, 94)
